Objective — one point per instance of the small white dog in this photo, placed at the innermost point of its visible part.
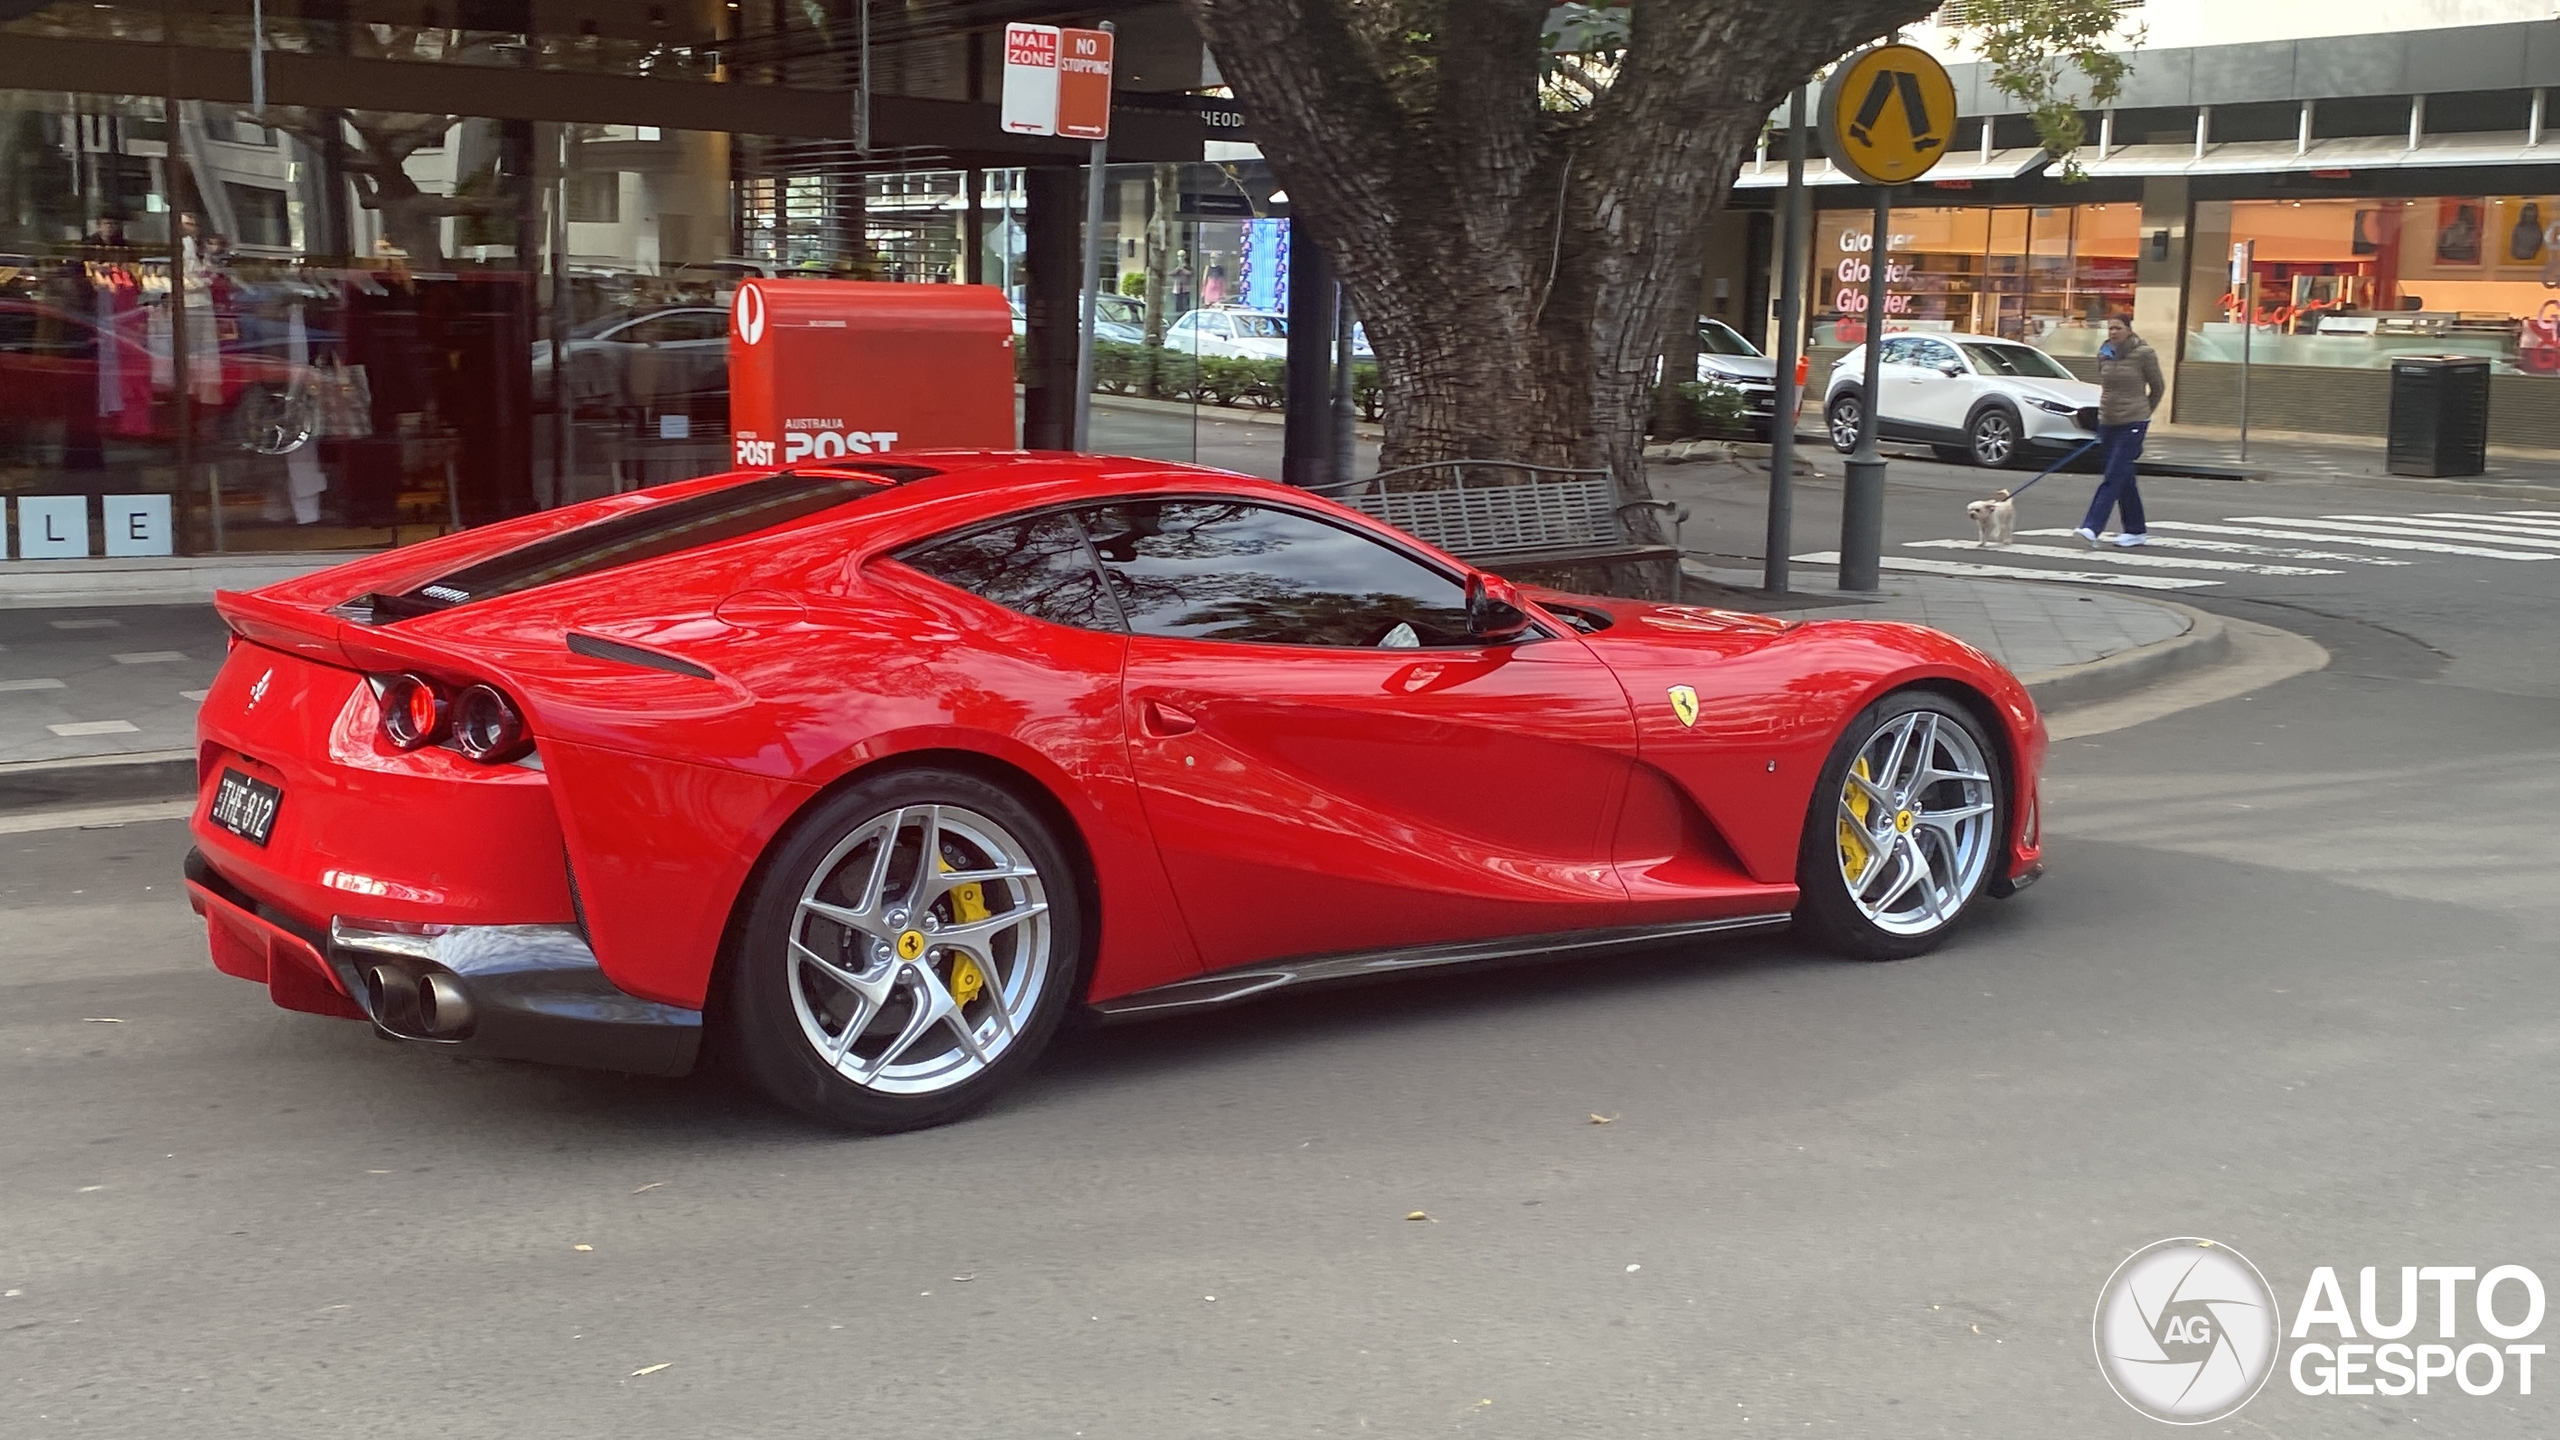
(1995, 521)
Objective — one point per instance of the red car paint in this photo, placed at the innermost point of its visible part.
(1234, 802)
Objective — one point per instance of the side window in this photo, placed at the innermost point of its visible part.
(1037, 567)
(1182, 328)
(1932, 354)
(1211, 570)
(1897, 351)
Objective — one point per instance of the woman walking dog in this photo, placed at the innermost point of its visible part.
(2129, 385)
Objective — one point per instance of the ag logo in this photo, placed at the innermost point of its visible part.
(910, 944)
(1684, 703)
(748, 310)
(2186, 1331)
(258, 691)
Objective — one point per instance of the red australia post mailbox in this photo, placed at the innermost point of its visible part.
(822, 369)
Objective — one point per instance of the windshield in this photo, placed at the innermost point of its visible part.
(1717, 338)
(2016, 360)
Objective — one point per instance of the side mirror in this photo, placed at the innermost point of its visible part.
(1493, 613)
(1951, 371)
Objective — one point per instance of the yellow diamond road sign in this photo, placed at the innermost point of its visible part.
(1888, 114)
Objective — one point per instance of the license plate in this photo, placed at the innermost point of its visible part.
(246, 807)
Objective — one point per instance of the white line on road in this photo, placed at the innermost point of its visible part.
(93, 727)
(149, 657)
(2345, 529)
(2488, 527)
(86, 624)
(144, 813)
(1918, 566)
(2432, 547)
(2234, 547)
(30, 684)
(2120, 555)
(2550, 515)
(195, 695)
(2549, 523)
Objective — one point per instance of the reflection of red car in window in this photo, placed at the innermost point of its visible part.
(888, 767)
(50, 360)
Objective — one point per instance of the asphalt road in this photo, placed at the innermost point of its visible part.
(2288, 987)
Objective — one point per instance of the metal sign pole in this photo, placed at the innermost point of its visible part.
(2244, 283)
(1092, 286)
(1862, 489)
(1782, 420)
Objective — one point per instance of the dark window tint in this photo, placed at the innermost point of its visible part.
(1038, 567)
(1204, 570)
(696, 521)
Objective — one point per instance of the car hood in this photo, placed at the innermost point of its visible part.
(2075, 393)
(1737, 367)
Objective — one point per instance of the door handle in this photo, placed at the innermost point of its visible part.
(1161, 719)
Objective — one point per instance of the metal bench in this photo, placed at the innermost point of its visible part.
(1513, 516)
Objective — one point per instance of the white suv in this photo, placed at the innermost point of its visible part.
(1974, 398)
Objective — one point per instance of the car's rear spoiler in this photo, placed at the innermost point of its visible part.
(333, 639)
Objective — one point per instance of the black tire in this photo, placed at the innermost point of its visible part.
(1841, 418)
(774, 1043)
(1825, 910)
(1994, 439)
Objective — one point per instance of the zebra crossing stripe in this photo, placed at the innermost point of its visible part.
(2379, 542)
(2548, 530)
(2346, 528)
(2235, 547)
(2548, 516)
(1914, 565)
(2120, 555)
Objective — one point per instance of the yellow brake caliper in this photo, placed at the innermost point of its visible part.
(1855, 855)
(968, 907)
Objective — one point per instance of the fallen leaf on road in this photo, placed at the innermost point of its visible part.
(1420, 1215)
(652, 1185)
(964, 1279)
(1602, 1119)
(652, 1369)
(102, 1020)
(582, 1247)
(1633, 1269)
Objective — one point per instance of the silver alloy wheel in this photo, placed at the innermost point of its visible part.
(1845, 420)
(920, 947)
(1916, 822)
(1995, 438)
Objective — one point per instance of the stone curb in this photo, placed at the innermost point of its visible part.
(2206, 642)
(91, 779)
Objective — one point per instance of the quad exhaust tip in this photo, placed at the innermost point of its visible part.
(418, 1006)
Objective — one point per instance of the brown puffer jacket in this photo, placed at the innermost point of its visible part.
(2129, 385)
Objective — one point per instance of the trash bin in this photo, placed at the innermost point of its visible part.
(2439, 415)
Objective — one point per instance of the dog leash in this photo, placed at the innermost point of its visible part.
(2056, 465)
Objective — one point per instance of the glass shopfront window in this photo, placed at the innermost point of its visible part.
(2047, 275)
(2350, 283)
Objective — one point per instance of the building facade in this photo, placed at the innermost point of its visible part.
(2391, 168)
(335, 274)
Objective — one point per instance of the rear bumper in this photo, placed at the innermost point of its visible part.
(530, 992)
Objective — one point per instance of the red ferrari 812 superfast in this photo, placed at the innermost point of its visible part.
(887, 769)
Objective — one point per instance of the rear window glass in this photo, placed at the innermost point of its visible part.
(696, 521)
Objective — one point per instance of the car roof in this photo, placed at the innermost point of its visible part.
(1958, 336)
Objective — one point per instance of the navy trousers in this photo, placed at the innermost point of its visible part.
(2122, 445)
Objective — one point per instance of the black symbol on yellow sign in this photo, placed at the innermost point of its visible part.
(1915, 109)
(1888, 114)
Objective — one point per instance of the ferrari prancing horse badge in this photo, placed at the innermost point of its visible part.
(1684, 703)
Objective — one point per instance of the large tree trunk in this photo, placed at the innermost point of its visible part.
(1514, 263)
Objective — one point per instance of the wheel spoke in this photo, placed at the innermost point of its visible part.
(874, 898)
(861, 922)
(928, 864)
(1893, 758)
(933, 1006)
(1874, 793)
(1945, 821)
(978, 931)
(1929, 895)
(980, 956)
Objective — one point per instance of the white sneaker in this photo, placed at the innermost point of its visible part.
(2137, 537)
(2085, 533)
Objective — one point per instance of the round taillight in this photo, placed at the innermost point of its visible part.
(413, 713)
(488, 728)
